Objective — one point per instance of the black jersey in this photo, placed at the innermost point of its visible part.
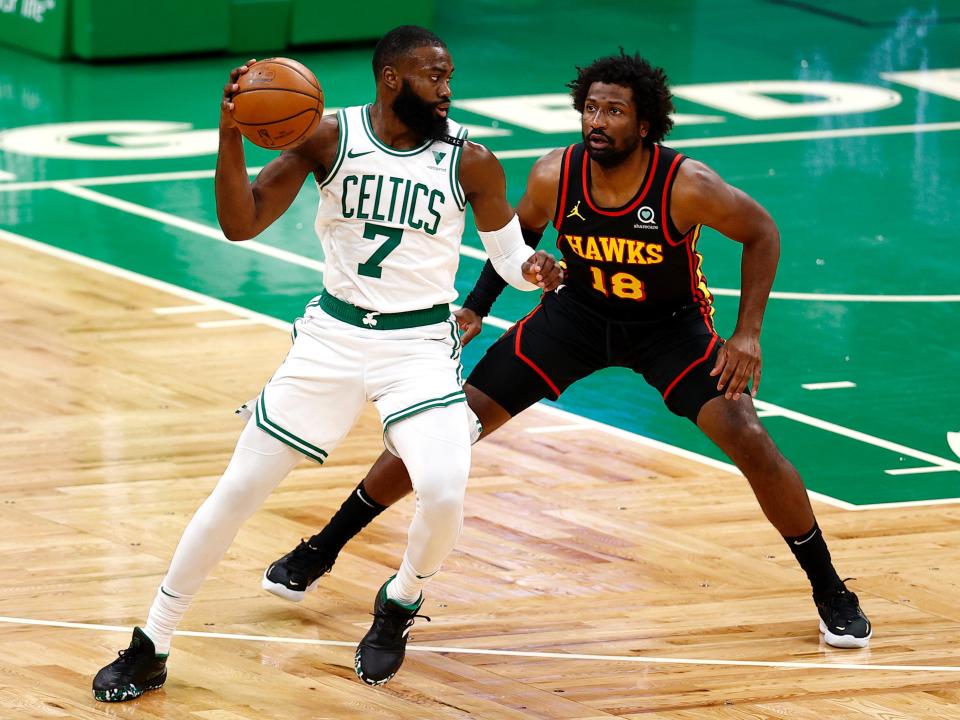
(629, 263)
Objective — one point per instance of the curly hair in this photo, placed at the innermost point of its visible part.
(651, 96)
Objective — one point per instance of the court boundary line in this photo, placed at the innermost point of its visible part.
(453, 650)
(716, 141)
(201, 299)
(79, 188)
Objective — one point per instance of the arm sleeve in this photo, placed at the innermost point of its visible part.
(508, 253)
(489, 285)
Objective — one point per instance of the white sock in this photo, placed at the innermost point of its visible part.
(258, 465)
(165, 613)
(439, 486)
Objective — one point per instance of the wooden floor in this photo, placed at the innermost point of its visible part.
(651, 582)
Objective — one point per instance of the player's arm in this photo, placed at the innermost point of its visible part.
(490, 284)
(245, 209)
(485, 187)
(701, 196)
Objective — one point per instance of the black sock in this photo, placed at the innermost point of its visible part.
(352, 517)
(811, 552)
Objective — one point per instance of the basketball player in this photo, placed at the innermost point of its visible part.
(394, 179)
(628, 212)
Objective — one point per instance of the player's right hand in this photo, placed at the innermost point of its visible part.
(470, 324)
(543, 270)
(226, 102)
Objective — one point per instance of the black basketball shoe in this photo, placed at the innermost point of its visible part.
(380, 653)
(136, 670)
(296, 573)
(842, 622)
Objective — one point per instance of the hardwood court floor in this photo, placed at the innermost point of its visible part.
(117, 422)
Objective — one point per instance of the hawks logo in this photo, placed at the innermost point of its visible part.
(576, 212)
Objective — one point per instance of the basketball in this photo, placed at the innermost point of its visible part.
(279, 103)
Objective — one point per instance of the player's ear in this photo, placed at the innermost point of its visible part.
(644, 128)
(391, 78)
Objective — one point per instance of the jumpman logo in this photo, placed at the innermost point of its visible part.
(370, 319)
(576, 212)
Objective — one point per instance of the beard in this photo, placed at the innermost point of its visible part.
(611, 155)
(419, 115)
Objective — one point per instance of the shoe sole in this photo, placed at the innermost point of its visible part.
(128, 692)
(284, 592)
(368, 681)
(844, 641)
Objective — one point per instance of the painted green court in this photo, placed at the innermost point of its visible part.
(850, 136)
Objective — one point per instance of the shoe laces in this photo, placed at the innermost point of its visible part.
(844, 603)
(128, 655)
(396, 622)
(306, 558)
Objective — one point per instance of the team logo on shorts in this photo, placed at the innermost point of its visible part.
(647, 218)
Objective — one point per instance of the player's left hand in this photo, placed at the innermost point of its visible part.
(470, 324)
(738, 362)
(542, 270)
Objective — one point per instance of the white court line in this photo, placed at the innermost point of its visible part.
(452, 650)
(213, 324)
(557, 428)
(567, 416)
(188, 225)
(844, 297)
(131, 276)
(857, 435)
(920, 470)
(759, 138)
(75, 187)
(183, 309)
(839, 384)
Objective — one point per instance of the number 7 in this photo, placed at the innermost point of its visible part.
(372, 231)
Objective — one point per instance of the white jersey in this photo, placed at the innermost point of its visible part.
(391, 221)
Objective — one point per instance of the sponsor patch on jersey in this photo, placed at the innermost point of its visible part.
(647, 218)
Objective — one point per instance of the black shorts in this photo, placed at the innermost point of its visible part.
(562, 341)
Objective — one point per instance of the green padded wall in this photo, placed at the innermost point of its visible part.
(120, 28)
(258, 25)
(318, 22)
(35, 26)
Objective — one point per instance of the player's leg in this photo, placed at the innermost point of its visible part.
(319, 371)
(735, 428)
(501, 386)
(258, 464)
(678, 363)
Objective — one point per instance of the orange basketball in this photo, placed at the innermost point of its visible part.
(279, 103)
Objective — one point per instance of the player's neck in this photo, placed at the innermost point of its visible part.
(390, 130)
(610, 184)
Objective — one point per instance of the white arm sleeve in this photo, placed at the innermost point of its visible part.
(508, 252)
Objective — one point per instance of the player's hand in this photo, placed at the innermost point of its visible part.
(226, 102)
(470, 324)
(738, 362)
(542, 270)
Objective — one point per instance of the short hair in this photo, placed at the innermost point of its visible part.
(651, 95)
(400, 41)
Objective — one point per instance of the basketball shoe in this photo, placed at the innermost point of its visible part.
(842, 622)
(380, 653)
(136, 670)
(298, 572)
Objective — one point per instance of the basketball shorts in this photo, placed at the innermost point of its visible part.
(334, 368)
(562, 341)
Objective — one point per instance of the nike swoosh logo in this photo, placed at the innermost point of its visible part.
(352, 154)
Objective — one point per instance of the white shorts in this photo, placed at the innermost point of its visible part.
(333, 368)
